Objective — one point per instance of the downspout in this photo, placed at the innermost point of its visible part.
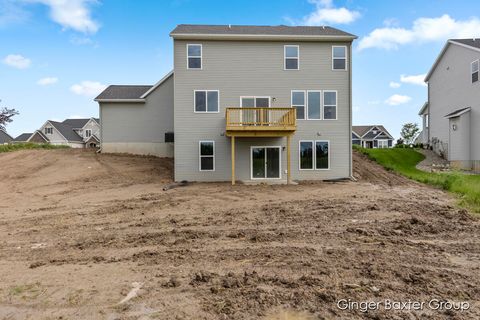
(350, 111)
(101, 127)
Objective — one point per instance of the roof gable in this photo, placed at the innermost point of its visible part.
(472, 44)
(5, 137)
(66, 131)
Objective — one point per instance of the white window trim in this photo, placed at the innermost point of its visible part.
(50, 129)
(346, 58)
(201, 56)
(255, 100)
(298, 105)
(279, 162)
(383, 141)
(427, 120)
(88, 130)
(472, 72)
(315, 155)
(329, 105)
(300, 159)
(200, 155)
(285, 57)
(206, 101)
(306, 105)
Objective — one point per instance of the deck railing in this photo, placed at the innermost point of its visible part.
(281, 118)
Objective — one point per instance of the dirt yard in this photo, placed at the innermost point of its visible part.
(87, 236)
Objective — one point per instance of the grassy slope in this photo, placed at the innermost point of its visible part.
(404, 161)
(26, 146)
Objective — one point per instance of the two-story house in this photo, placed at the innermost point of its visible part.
(75, 133)
(451, 117)
(249, 103)
(371, 136)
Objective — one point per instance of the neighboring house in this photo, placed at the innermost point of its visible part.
(373, 136)
(250, 103)
(423, 136)
(76, 133)
(22, 138)
(5, 137)
(453, 111)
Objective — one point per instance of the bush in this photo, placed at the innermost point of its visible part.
(28, 146)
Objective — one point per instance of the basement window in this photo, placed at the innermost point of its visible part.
(306, 155)
(322, 157)
(194, 56)
(207, 155)
(475, 68)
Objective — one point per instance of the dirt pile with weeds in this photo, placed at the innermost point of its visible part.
(74, 247)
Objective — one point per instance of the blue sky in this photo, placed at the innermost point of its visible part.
(56, 55)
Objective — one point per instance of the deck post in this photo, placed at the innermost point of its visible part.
(233, 159)
(289, 165)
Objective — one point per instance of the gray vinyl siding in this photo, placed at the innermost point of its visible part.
(248, 68)
(139, 127)
(450, 89)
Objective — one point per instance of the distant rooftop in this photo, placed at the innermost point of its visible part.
(281, 30)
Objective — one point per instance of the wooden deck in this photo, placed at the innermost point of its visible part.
(260, 122)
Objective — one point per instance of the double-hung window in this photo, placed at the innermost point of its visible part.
(314, 155)
(48, 130)
(206, 100)
(298, 102)
(339, 58)
(291, 57)
(474, 69)
(329, 105)
(194, 56)
(88, 133)
(207, 155)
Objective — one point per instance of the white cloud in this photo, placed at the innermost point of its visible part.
(88, 88)
(17, 61)
(394, 85)
(11, 13)
(397, 99)
(47, 81)
(423, 30)
(417, 79)
(71, 14)
(326, 13)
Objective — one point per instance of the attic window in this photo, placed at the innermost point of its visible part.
(475, 67)
(88, 133)
(48, 130)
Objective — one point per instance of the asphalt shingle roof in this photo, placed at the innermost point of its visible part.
(78, 123)
(23, 137)
(280, 30)
(4, 137)
(66, 131)
(469, 42)
(117, 92)
(361, 130)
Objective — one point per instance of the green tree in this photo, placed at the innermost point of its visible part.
(409, 132)
(6, 115)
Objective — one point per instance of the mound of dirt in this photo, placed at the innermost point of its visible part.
(82, 232)
(366, 170)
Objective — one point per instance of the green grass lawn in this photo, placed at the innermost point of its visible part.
(403, 161)
(27, 146)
